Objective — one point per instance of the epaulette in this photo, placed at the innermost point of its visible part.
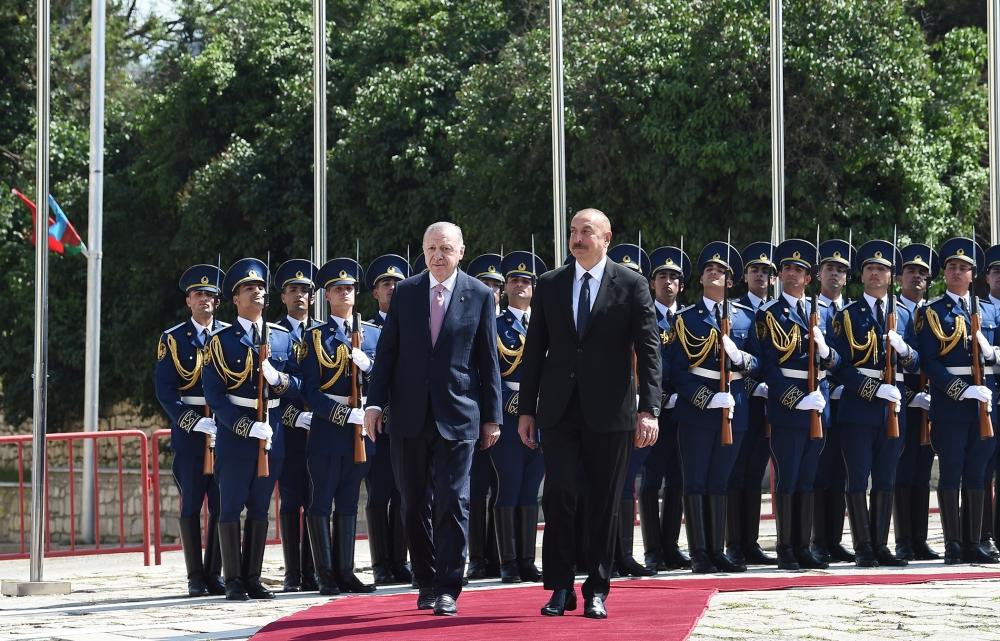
(769, 304)
(935, 299)
(822, 303)
(222, 327)
(848, 305)
(167, 331)
(370, 324)
(741, 306)
(683, 309)
(278, 327)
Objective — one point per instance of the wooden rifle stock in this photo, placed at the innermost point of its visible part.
(985, 424)
(815, 420)
(360, 456)
(889, 374)
(209, 467)
(725, 378)
(263, 468)
(925, 422)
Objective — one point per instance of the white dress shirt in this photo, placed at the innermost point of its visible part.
(200, 330)
(449, 287)
(755, 300)
(597, 274)
(248, 326)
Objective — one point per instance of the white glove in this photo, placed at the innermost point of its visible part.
(921, 400)
(260, 430)
(761, 391)
(821, 347)
(356, 417)
(889, 393)
(205, 425)
(361, 359)
(837, 392)
(979, 393)
(271, 375)
(898, 343)
(812, 401)
(304, 420)
(732, 351)
(984, 344)
(721, 399)
(672, 402)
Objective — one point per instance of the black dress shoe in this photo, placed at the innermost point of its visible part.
(821, 552)
(445, 606)
(975, 553)
(425, 599)
(952, 553)
(923, 552)
(401, 573)
(476, 570)
(755, 555)
(309, 584)
(886, 558)
(256, 590)
(839, 553)
(196, 586)
(674, 559)
(383, 575)
(561, 601)
(235, 591)
(216, 585)
(808, 561)
(864, 555)
(593, 608)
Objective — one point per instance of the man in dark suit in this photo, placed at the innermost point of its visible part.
(578, 386)
(436, 363)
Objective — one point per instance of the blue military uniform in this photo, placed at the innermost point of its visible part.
(945, 339)
(744, 501)
(231, 388)
(829, 496)
(991, 517)
(519, 470)
(334, 476)
(293, 485)
(386, 533)
(784, 336)
(180, 356)
(694, 353)
(869, 452)
(660, 530)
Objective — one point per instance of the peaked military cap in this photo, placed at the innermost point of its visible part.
(839, 252)
(795, 251)
(759, 253)
(522, 264)
(923, 256)
(202, 278)
(243, 271)
(386, 266)
(340, 271)
(671, 258)
(631, 256)
(992, 257)
(721, 253)
(965, 250)
(297, 271)
(486, 267)
(880, 252)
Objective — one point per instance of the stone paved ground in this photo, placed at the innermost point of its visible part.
(115, 598)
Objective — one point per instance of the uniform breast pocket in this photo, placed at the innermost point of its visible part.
(739, 336)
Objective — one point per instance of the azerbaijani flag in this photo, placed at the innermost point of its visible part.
(63, 238)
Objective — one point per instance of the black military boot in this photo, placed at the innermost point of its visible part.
(755, 555)
(807, 560)
(229, 547)
(716, 535)
(477, 541)
(378, 545)
(291, 550)
(920, 511)
(649, 522)
(503, 520)
(319, 540)
(527, 543)
(861, 531)
(309, 583)
(345, 528)
(213, 558)
(670, 530)
(820, 545)
(972, 505)
(836, 503)
(627, 565)
(902, 518)
(254, 542)
(951, 525)
(397, 555)
(784, 516)
(986, 537)
(190, 531)
(694, 511)
(881, 510)
(734, 528)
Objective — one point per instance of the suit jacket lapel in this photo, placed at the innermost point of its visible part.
(565, 289)
(458, 298)
(604, 294)
(423, 293)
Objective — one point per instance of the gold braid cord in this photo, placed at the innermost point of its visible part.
(338, 365)
(511, 357)
(697, 348)
(785, 342)
(191, 376)
(232, 378)
(868, 349)
(948, 342)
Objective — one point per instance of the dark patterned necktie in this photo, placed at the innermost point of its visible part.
(256, 334)
(583, 306)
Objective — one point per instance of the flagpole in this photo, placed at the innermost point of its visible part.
(95, 223)
(319, 140)
(993, 25)
(777, 126)
(558, 134)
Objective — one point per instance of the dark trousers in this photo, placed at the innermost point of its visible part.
(705, 463)
(519, 469)
(293, 486)
(755, 452)
(662, 466)
(868, 452)
(194, 486)
(240, 487)
(603, 459)
(335, 479)
(962, 455)
(914, 467)
(636, 459)
(831, 472)
(428, 465)
(796, 457)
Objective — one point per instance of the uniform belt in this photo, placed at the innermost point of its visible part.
(514, 387)
(877, 373)
(711, 373)
(343, 399)
(193, 400)
(251, 402)
(960, 371)
(801, 373)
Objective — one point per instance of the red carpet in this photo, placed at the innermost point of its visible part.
(637, 609)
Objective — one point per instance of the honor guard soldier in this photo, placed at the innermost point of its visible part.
(483, 482)
(911, 504)
(519, 469)
(836, 266)
(874, 337)
(180, 357)
(990, 516)
(633, 257)
(946, 342)
(671, 268)
(334, 470)
(784, 333)
(250, 448)
(386, 534)
(419, 265)
(296, 280)
(711, 412)
(743, 504)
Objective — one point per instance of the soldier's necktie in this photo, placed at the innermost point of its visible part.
(801, 309)
(347, 328)
(437, 312)
(204, 337)
(524, 321)
(879, 314)
(256, 334)
(583, 305)
(964, 305)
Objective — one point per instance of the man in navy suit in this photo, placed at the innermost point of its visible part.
(442, 377)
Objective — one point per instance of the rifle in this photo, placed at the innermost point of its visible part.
(925, 423)
(773, 291)
(208, 469)
(360, 456)
(815, 421)
(889, 374)
(985, 424)
(264, 353)
(725, 371)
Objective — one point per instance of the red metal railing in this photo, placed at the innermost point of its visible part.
(98, 547)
